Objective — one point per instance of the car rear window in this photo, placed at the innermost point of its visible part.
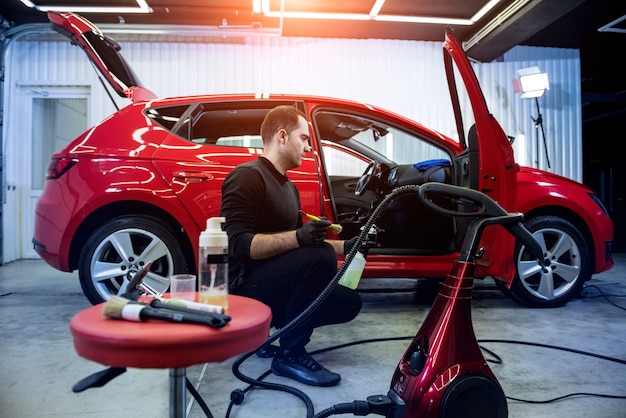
(224, 123)
(168, 116)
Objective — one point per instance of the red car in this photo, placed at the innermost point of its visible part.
(139, 186)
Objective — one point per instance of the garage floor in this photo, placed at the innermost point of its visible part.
(38, 364)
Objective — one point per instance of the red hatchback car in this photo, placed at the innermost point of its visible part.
(139, 186)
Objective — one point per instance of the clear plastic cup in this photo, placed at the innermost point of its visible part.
(183, 286)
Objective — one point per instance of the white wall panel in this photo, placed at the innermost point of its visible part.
(402, 76)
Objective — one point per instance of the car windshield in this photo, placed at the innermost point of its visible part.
(350, 142)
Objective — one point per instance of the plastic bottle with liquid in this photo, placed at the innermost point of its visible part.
(353, 273)
(213, 264)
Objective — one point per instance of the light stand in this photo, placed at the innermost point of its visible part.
(532, 83)
(539, 124)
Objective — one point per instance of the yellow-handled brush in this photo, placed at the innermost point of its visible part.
(336, 228)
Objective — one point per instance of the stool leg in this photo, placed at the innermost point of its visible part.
(178, 401)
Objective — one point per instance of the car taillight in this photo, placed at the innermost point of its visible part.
(58, 167)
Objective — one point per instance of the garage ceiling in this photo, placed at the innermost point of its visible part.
(487, 28)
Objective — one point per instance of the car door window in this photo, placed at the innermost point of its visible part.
(340, 162)
(349, 143)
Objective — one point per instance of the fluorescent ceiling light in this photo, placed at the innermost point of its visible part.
(260, 6)
(376, 7)
(613, 26)
(494, 23)
(142, 7)
(375, 15)
(484, 10)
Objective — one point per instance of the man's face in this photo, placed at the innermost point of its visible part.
(298, 143)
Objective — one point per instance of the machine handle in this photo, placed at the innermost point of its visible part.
(486, 207)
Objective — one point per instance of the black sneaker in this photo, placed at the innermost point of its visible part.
(303, 368)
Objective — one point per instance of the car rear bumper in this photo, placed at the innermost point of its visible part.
(50, 232)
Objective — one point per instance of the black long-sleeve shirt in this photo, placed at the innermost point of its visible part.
(256, 198)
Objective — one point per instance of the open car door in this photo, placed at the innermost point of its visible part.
(487, 163)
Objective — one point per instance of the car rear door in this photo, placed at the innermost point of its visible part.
(487, 164)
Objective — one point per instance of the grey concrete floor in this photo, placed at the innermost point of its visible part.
(38, 364)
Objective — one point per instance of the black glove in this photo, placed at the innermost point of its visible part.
(312, 233)
(364, 247)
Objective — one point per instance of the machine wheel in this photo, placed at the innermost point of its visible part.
(473, 396)
(570, 266)
(119, 248)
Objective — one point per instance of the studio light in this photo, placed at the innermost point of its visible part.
(532, 83)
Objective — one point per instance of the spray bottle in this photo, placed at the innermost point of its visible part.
(352, 275)
(213, 264)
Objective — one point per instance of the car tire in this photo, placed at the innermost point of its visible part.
(570, 265)
(121, 247)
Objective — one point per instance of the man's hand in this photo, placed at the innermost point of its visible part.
(312, 233)
(364, 247)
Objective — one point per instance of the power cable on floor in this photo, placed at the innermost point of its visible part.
(605, 296)
(237, 396)
(571, 395)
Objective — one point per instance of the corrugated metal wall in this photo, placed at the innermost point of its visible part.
(560, 107)
(402, 76)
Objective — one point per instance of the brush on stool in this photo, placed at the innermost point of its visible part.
(121, 308)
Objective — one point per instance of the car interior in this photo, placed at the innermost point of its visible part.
(406, 226)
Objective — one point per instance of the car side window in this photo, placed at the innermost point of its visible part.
(340, 162)
(248, 141)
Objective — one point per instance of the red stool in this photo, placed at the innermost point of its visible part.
(156, 344)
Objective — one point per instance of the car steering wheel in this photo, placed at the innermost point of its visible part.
(366, 178)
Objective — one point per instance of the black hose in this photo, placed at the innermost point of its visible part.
(359, 408)
(198, 398)
(316, 303)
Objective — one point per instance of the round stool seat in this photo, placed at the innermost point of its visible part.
(158, 344)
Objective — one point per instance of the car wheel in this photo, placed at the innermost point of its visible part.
(563, 245)
(119, 248)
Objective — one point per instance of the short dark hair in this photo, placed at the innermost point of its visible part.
(281, 117)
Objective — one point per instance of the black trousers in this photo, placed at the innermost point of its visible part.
(289, 282)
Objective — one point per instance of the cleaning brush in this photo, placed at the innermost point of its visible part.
(121, 308)
(336, 228)
(190, 307)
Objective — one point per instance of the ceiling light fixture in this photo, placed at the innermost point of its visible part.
(260, 6)
(613, 26)
(375, 15)
(494, 23)
(142, 7)
(376, 7)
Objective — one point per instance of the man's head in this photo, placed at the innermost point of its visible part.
(286, 138)
(281, 117)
